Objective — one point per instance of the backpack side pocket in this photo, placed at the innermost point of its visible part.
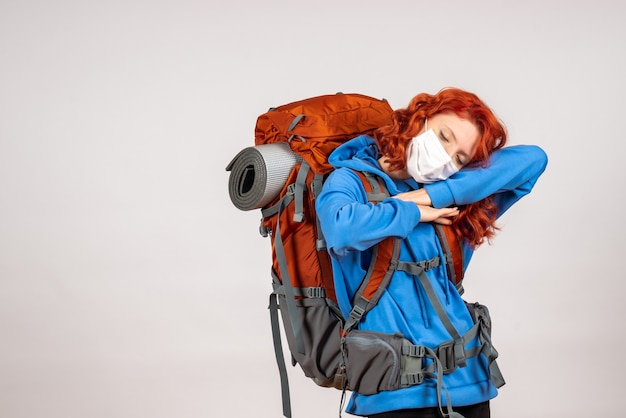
(373, 361)
(321, 338)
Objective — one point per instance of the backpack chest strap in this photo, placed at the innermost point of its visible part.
(417, 268)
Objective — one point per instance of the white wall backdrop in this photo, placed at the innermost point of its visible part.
(130, 286)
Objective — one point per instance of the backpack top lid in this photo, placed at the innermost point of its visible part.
(314, 127)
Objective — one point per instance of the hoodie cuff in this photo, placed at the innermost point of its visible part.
(440, 194)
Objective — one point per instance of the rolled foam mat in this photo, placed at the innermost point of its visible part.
(257, 174)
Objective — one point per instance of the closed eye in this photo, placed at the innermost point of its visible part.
(459, 159)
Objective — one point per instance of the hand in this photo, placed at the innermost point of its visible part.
(419, 197)
(441, 216)
(429, 214)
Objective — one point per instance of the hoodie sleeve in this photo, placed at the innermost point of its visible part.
(349, 222)
(510, 174)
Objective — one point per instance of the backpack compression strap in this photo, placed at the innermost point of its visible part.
(295, 196)
(294, 192)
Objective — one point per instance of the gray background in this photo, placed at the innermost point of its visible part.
(130, 286)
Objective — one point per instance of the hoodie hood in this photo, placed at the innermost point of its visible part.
(362, 154)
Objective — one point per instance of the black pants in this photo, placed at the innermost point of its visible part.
(480, 410)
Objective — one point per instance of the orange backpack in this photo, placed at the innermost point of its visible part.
(295, 141)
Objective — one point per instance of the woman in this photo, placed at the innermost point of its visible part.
(443, 161)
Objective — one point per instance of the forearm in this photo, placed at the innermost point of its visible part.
(350, 222)
(511, 172)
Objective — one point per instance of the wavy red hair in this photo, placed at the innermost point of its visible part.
(477, 221)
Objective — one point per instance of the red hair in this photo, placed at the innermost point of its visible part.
(476, 222)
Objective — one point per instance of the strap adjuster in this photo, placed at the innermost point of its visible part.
(412, 379)
(357, 312)
(315, 292)
(445, 354)
(413, 350)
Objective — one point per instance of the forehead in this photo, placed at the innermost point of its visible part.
(452, 120)
(465, 132)
(455, 123)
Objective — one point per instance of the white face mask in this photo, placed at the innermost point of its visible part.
(427, 159)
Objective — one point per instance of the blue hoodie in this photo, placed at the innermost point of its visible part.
(352, 225)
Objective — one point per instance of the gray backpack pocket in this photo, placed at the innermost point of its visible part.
(321, 339)
(480, 314)
(376, 362)
(373, 361)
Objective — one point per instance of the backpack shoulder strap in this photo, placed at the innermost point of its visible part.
(454, 254)
(382, 265)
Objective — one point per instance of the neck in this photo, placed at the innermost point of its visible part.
(402, 174)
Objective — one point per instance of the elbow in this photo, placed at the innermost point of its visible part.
(538, 162)
(337, 240)
(540, 158)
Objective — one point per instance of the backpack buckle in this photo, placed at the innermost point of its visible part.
(432, 263)
(445, 354)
